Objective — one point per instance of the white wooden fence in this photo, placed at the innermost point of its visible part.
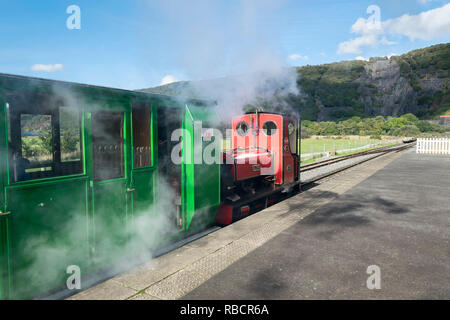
(328, 153)
(433, 145)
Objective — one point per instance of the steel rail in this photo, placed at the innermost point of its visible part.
(323, 163)
(305, 185)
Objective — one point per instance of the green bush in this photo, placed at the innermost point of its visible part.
(46, 142)
(406, 131)
(69, 142)
(410, 118)
(375, 127)
(305, 132)
(424, 126)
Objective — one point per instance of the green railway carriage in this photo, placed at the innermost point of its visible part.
(87, 179)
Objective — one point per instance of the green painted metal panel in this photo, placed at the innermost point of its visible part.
(110, 222)
(3, 150)
(144, 183)
(201, 187)
(46, 235)
(144, 223)
(4, 258)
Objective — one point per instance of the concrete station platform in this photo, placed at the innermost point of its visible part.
(392, 212)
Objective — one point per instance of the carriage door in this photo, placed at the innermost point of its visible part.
(200, 171)
(289, 130)
(143, 176)
(294, 144)
(46, 195)
(110, 194)
(169, 170)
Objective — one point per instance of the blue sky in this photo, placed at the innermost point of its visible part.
(136, 43)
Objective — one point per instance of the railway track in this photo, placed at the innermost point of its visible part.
(319, 164)
(376, 152)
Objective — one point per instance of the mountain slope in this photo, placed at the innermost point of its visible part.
(416, 82)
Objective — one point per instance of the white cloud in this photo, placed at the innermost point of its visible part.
(361, 58)
(354, 45)
(424, 26)
(168, 79)
(296, 56)
(47, 67)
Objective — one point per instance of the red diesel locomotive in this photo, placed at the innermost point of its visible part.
(262, 165)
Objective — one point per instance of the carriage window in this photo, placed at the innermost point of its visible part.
(108, 145)
(43, 138)
(69, 122)
(141, 138)
(269, 128)
(37, 145)
(292, 137)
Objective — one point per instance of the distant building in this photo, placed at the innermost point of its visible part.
(445, 120)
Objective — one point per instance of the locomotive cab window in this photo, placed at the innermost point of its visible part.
(269, 128)
(242, 128)
(44, 139)
(292, 131)
(141, 137)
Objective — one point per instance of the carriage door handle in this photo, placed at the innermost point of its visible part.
(131, 189)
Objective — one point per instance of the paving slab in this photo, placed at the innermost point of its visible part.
(108, 290)
(143, 296)
(153, 271)
(397, 219)
(191, 270)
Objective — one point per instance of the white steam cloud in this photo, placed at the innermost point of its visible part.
(120, 246)
(231, 52)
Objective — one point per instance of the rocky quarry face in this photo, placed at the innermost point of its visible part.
(384, 91)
